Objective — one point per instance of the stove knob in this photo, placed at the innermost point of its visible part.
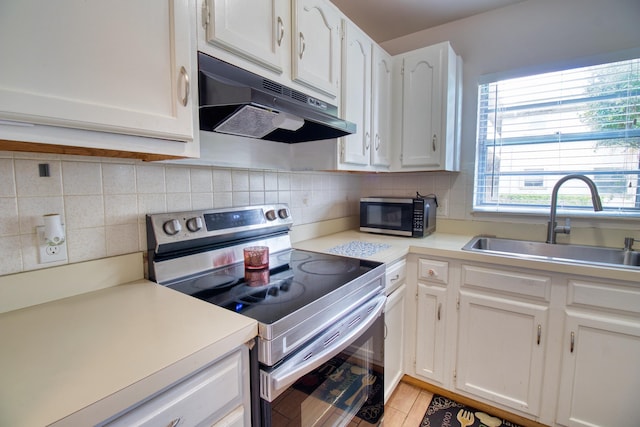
(283, 213)
(172, 227)
(194, 224)
(271, 215)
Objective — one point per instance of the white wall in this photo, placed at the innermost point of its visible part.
(532, 36)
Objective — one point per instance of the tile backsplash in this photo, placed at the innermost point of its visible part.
(103, 201)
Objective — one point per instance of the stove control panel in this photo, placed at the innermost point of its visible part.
(169, 228)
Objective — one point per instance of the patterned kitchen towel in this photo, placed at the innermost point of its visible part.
(446, 412)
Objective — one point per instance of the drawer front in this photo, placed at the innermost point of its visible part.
(604, 295)
(433, 271)
(510, 282)
(204, 397)
(395, 275)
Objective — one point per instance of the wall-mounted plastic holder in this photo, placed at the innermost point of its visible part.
(52, 240)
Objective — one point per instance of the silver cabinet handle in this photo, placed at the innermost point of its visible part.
(377, 142)
(174, 422)
(573, 341)
(187, 86)
(280, 31)
(439, 309)
(302, 45)
(394, 278)
(367, 138)
(433, 142)
(539, 333)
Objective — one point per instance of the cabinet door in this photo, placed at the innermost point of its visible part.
(253, 30)
(430, 332)
(600, 377)
(206, 397)
(93, 67)
(381, 108)
(501, 350)
(421, 108)
(356, 94)
(393, 340)
(316, 45)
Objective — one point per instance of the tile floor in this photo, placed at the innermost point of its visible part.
(406, 406)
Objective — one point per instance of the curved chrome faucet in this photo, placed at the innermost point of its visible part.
(552, 227)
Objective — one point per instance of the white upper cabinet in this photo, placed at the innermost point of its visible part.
(119, 66)
(366, 101)
(316, 45)
(381, 100)
(255, 30)
(295, 43)
(356, 95)
(428, 92)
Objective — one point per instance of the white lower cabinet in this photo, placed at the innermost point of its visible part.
(600, 376)
(394, 340)
(216, 396)
(500, 349)
(560, 349)
(430, 332)
(394, 322)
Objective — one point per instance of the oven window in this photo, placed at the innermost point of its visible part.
(348, 388)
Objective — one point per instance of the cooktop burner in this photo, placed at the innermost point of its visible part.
(328, 266)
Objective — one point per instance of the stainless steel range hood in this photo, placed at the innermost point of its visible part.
(237, 102)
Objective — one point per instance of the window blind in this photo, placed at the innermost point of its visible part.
(534, 130)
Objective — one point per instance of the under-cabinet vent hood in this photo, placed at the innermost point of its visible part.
(237, 102)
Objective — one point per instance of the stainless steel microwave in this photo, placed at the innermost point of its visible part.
(398, 216)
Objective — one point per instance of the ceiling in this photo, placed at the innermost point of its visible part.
(384, 20)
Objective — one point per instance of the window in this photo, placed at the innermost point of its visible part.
(534, 130)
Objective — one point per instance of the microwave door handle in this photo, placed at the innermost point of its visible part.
(286, 374)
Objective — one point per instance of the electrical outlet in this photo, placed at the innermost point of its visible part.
(443, 207)
(50, 253)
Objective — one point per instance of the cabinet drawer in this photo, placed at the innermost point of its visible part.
(603, 295)
(395, 276)
(510, 282)
(433, 271)
(204, 397)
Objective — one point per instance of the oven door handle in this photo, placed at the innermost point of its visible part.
(330, 344)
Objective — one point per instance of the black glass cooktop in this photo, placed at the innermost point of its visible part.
(296, 278)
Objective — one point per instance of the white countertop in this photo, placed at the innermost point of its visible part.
(89, 356)
(450, 246)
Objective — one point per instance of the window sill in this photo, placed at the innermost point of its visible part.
(587, 214)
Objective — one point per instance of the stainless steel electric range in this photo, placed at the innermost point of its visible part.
(320, 316)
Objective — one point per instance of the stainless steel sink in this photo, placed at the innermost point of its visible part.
(592, 255)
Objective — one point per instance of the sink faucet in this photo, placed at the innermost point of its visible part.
(552, 227)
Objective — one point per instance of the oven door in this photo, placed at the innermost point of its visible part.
(386, 216)
(336, 379)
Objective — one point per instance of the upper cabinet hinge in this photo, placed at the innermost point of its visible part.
(205, 14)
